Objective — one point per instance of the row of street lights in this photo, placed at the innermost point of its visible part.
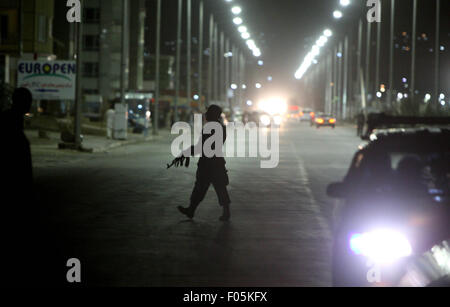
(337, 87)
(225, 62)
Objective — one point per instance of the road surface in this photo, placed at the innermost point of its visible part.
(116, 212)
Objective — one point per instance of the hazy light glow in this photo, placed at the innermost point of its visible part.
(344, 2)
(273, 106)
(337, 14)
(237, 21)
(245, 35)
(236, 10)
(242, 29)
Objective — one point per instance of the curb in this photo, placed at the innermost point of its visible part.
(119, 144)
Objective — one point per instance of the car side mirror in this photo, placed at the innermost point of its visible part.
(337, 190)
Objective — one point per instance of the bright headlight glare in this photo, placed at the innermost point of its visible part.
(265, 120)
(382, 245)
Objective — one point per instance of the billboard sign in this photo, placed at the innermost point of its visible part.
(48, 80)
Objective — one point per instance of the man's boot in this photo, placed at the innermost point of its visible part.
(226, 214)
(189, 212)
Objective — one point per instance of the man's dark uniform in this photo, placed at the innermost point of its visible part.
(211, 171)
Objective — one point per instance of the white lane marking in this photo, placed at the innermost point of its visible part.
(304, 180)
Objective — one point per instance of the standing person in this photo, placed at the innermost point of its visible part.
(21, 223)
(110, 114)
(361, 120)
(211, 170)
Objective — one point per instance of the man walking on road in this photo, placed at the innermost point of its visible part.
(211, 170)
(361, 120)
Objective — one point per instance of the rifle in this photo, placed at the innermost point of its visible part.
(180, 161)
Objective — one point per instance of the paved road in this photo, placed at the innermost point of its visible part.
(116, 212)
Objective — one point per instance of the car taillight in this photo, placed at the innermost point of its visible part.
(312, 114)
(332, 121)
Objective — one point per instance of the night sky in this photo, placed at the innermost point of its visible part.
(285, 30)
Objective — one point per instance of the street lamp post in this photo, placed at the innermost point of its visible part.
(368, 48)
(345, 87)
(340, 83)
(216, 63)
(227, 75)
(377, 71)
(178, 57)
(436, 54)
(210, 59)
(391, 56)
(221, 66)
(359, 57)
(157, 68)
(189, 56)
(413, 50)
(200, 51)
(335, 80)
(78, 93)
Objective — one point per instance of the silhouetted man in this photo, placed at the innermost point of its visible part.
(16, 154)
(361, 120)
(211, 170)
(27, 254)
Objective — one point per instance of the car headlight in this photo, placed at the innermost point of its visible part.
(278, 120)
(381, 245)
(265, 120)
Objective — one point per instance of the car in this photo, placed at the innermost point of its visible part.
(325, 120)
(306, 115)
(393, 209)
(293, 114)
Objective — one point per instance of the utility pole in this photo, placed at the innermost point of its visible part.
(340, 84)
(413, 50)
(216, 63)
(78, 93)
(368, 48)
(335, 81)
(359, 57)
(345, 87)
(200, 52)
(178, 58)
(157, 68)
(437, 55)
(189, 58)
(391, 56)
(210, 60)
(377, 69)
(221, 67)
(227, 75)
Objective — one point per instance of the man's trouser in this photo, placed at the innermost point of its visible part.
(205, 177)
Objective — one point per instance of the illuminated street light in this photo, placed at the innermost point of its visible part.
(258, 85)
(245, 35)
(242, 29)
(237, 21)
(345, 2)
(328, 33)
(236, 10)
(337, 14)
